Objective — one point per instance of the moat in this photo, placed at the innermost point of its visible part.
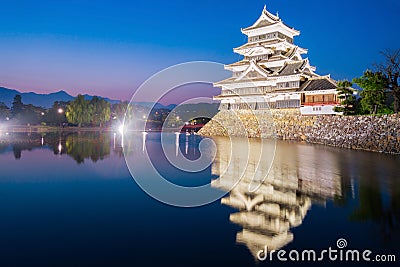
(69, 200)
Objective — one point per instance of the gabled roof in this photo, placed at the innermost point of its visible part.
(277, 57)
(265, 19)
(265, 43)
(291, 68)
(228, 80)
(272, 69)
(268, 19)
(308, 73)
(258, 51)
(239, 63)
(292, 52)
(319, 83)
(253, 67)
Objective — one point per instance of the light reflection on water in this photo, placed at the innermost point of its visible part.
(68, 199)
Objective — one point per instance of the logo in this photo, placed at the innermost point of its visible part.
(144, 170)
(331, 254)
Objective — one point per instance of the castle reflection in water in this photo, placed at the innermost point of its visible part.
(282, 201)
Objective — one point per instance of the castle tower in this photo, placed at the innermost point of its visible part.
(274, 73)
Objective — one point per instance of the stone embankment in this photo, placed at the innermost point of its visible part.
(372, 133)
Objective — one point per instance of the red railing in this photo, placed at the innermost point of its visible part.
(190, 128)
(319, 103)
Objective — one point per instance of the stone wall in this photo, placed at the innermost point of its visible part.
(372, 133)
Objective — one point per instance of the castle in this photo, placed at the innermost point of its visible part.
(274, 75)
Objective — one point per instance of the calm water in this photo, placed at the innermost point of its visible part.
(69, 200)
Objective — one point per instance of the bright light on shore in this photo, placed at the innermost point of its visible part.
(60, 110)
(121, 129)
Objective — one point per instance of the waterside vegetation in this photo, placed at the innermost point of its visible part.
(380, 92)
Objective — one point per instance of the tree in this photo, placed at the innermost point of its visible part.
(17, 106)
(4, 111)
(390, 68)
(32, 114)
(53, 116)
(26, 113)
(373, 96)
(347, 99)
(118, 110)
(101, 111)
(79, 111)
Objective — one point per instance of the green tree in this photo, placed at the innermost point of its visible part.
(373, 93)
(347, 99)
(17, 107)
(79, 111)
(101, 111)
(118, 110)
(391, 70)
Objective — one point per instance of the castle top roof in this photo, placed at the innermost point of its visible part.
(267, 19)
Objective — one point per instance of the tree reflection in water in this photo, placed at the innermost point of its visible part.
(381, 209)
(81, 146)
(78, 145)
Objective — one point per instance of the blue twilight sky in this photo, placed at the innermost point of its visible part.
(109, 48)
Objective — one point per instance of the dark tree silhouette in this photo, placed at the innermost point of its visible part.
(391, 69)
(17, 106)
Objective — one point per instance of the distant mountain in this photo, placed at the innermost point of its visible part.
(42, 100)
(154, 105)
(171, 106)
(47, 100)
(111, 101)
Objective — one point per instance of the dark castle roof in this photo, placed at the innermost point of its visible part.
(291, 52)
(320, 83)
(292, 68)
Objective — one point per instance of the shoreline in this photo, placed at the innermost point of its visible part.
(369, 133)
(378, 134)
(47, 129)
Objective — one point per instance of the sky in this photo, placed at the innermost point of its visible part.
(109, 48)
